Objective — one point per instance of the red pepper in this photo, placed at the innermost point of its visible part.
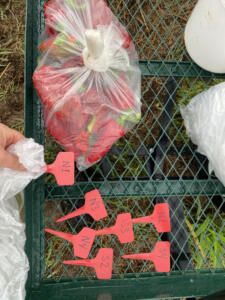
(50, 84)
(71, 110)
(52, 87)
(127, 41)
(82, 143)
(122, 98)
(76, 61)
(106, 137)
(46, 44)
(101, 13)
(55, 45)
(66, 128)
(51, 8)
(48, 29)
(66, 136)
(92, 101)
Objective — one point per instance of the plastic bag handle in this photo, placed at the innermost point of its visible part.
(95, 44)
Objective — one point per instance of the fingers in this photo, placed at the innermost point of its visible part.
(15, 137)
(9, 136)
(8, 160)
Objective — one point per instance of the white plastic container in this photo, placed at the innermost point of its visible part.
(205, 35)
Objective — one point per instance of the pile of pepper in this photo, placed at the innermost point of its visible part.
(84, 115)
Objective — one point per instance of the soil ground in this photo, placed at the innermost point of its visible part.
(12, 24)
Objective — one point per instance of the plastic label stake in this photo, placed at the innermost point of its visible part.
(94, 206)
(123, 229)
(102, 263)
(82, 242)
(63, 168)
(160, 218)
(160, 256)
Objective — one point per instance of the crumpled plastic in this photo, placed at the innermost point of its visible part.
(88, 78)
(204, 119)
(14, 264)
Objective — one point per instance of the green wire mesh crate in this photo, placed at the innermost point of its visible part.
(154, 163)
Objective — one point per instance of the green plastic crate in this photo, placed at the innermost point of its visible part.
(154, 163)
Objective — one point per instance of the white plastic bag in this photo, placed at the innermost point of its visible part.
(204, 119)
(88, 78)
(13, 261)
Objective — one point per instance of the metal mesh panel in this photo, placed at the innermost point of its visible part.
(201, 217)
(157, 26)
(154, 163)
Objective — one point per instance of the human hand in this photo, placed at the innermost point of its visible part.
(8, 137)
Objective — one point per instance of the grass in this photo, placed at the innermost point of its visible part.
(207, 231)
(205, 223)
(12, 15)
(52, 267)
(208, 244)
